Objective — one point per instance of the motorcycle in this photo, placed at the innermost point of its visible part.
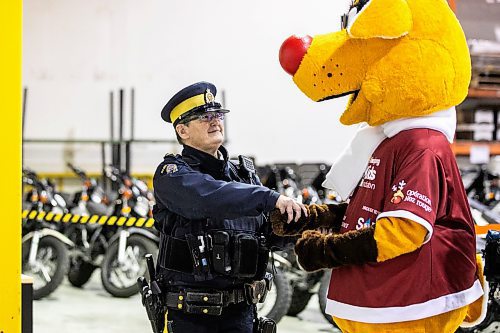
(482, 185)
(44, 249)
(124, 261)
(326, 196)
(279, 298)
(302, 283)
(306, 284)
(91, 239)
(491, 255)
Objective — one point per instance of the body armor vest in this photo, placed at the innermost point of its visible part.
(213, 252)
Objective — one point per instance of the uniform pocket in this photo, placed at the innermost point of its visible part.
(246, 253)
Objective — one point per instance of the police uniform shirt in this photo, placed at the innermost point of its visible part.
(199, 186)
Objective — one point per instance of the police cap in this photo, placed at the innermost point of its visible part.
(194, 99)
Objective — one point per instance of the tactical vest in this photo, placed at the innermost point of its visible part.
(213, 252)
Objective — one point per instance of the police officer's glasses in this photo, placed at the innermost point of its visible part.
(207, 117)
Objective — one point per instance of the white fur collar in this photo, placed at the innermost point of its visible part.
(357, 154)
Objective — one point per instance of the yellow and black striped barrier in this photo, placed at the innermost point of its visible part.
(119, 221)
(142, 222)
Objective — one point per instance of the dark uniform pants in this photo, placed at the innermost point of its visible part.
(234, 319)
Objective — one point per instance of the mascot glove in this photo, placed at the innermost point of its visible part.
(319, 216)
(310, 251)
(317, 251)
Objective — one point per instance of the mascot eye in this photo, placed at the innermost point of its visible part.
(360, 4)
(349, 17)
(354, 9)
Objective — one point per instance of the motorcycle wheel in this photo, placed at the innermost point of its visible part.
(323, 289)
(121, 280)
(51, 264)
(278, 299)
(300, 299)
(80, 272)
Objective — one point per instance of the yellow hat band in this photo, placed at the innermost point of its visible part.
(186, 106)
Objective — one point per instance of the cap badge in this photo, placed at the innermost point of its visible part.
(209, 97)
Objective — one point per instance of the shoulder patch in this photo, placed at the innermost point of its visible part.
(169, 168)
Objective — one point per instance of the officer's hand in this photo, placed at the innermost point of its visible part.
(290, 206)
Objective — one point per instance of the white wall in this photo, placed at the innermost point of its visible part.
(76, 52)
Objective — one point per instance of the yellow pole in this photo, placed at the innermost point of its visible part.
(10, 167)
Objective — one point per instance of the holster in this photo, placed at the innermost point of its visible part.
(256, 291)
(264, 325)
(152, 297)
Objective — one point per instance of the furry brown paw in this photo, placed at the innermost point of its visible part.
(310, 250)
(315, 250)
(278, 222)
(318, 216)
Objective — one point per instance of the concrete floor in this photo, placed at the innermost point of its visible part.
(92, 309)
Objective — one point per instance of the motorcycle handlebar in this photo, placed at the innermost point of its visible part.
(77, 171)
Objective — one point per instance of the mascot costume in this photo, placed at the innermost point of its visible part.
(403, 252)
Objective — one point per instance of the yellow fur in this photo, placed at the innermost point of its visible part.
(396, 236)
(395, 14)
(446, 322)
(475, 309)
(426, 70)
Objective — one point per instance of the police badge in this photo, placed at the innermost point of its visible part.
(169, 168)
(209, 97)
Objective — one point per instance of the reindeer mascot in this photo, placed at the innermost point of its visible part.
(402, 253)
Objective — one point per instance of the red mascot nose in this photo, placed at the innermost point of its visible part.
(292, 51)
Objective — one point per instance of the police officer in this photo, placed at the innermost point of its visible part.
(211, 215)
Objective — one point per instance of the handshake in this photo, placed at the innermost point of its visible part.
(316, 250)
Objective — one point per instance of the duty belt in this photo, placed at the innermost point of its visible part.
(204, 302)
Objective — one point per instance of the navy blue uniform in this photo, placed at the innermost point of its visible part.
(234, 319)
(196, 194)
(201, 187)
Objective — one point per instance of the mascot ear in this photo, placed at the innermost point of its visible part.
(387, 19)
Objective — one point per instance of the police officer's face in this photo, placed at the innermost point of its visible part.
(206, 136)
